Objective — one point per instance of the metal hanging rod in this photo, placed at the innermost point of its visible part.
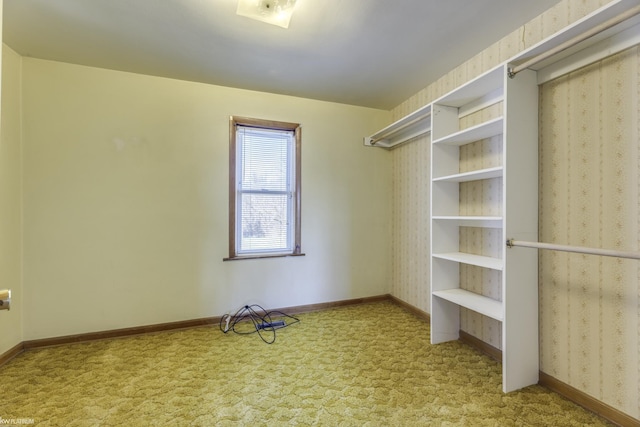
(399, 128)
(577, 249)
(512, 71)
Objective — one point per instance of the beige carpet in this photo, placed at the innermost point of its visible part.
(365, 365)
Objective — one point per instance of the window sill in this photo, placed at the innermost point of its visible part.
(243, 257)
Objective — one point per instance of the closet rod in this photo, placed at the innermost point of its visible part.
(512, 71)
(578, 249)
(399, 128)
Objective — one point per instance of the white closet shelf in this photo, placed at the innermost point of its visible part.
(484, 130)
(478, 303)
(471, 259)
(583, 25)
(495, 172)
(409, 127)
(472, 221)
(489, 82)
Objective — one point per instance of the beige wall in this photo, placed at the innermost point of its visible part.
(126, 202)
(10, 201)
(589, 308)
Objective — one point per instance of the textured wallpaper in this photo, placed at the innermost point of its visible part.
(589, 196)
(410, 213)
(481, 198)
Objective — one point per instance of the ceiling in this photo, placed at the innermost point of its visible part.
(373, 53)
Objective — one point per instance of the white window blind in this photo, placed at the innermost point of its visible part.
(265, 188)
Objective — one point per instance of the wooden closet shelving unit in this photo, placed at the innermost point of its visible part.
(514, 213)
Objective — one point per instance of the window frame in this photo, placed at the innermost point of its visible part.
(234, 122)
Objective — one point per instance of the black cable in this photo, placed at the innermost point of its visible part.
(263, 323)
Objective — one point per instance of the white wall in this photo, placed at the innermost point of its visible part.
(10, 201)
(126, 202)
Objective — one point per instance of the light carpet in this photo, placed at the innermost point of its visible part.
(361, 365)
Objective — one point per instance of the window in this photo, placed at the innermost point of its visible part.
(264, 188)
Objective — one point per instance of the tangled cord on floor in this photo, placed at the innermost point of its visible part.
(252, 319)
